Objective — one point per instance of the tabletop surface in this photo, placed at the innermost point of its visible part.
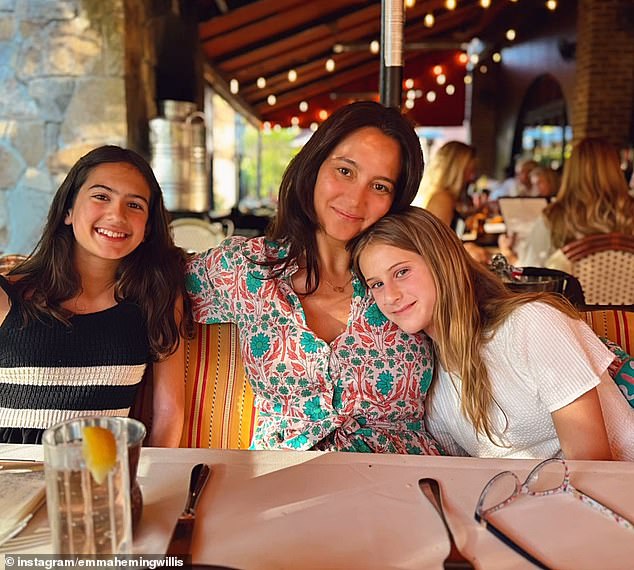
(314, 510)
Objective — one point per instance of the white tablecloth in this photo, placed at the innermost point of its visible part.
(311, 510)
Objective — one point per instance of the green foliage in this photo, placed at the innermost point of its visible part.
(277, 151)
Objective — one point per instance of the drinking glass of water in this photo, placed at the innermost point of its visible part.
(88, 510)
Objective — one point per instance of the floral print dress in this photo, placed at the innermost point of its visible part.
(364, 391)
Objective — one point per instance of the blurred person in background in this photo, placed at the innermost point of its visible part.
(593, 199)
(518, 185)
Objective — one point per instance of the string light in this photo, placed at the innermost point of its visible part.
(411, 94)
(303, 106)
(441, 79)
(292, 75)
(450, 89)
(374, 46)
(410, 3)
(314, 126)
(295, 121)
(497, 57)
(261, 82)
(409, 83)
(450, 4)
(234, 86)
(510, 34)
(409, 103)
(551, 4)
(437, 69)
(485, 3)
(271, 99)
(468, 80)
(483, 69)
(330, 65)
(323, 114)
(429, 20)
(431, 96)
(463, 58)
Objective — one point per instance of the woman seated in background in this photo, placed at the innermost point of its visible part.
(443, 190)
(99, 298)
(544, 182)
(517, 375)
(593, 199)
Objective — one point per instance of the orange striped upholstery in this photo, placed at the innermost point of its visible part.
(219, 411)
(614, 324)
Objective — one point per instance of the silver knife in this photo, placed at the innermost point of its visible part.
(181, 541)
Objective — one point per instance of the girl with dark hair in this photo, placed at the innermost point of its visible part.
(517, 375)
(328, 370)
(100, 297)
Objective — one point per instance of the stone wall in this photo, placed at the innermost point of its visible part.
(69, 81)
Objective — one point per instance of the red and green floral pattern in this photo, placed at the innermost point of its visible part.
(364, 391)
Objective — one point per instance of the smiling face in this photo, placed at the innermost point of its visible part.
(402, 286)
(110, 212)
(356, 183)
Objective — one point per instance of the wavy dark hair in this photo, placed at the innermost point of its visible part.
(152, 276)
(296, 222)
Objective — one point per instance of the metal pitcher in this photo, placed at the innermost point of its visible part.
(179, 156)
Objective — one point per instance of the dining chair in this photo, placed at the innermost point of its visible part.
(219, 401)
(614, 322)
(604, 264)
(195, 235)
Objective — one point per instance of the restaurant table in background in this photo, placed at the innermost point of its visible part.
(314, 510)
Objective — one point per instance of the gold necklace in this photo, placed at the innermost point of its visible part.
(338, 288)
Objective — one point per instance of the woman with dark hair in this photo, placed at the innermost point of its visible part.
(328, 370)
(99, 298)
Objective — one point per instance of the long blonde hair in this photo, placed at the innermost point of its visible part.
(446, 170)
(593, 197)
(471, 302)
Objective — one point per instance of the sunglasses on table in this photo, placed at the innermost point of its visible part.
(549, 477)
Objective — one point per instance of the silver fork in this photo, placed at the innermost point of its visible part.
(431, 489)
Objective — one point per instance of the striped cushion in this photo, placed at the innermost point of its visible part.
(219, 411)
(614, 324)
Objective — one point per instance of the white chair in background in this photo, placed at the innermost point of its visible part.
(194, 234)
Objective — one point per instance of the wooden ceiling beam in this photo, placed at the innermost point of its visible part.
(303, 46)
(237, 18)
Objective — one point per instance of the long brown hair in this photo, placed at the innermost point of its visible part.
(296, 221)
(471, 301)
(593, 197)
(152, 276)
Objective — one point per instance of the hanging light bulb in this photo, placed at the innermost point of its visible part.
(261, 82)
(295, 121)
(323, 114)
(234, 86)
(441, 79)
(330, 65)
(303, 106)
(409, 103)
(374, 46)
(485, 3)
(468, 80)
(551, 4)
(410, 3)
(429, 20)
(450, 4)
(497, 57)
(271, 99)
(510, 34)
(431, 96)
(292, 75)
(450, 89)
(409, 83)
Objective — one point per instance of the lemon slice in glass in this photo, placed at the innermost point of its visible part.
(100, 451)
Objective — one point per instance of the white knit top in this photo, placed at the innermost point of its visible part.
(539, 361)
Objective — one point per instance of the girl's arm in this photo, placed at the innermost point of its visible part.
(581, 429)
(168, 403)
(5, 305)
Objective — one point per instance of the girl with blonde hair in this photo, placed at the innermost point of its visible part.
(516, 375)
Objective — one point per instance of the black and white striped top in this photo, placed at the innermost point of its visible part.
(50, 372)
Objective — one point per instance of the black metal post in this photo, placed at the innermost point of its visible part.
(391, 72)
